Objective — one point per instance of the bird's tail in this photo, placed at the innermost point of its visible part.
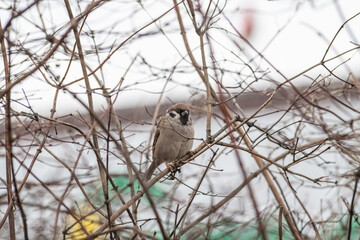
(150, 171)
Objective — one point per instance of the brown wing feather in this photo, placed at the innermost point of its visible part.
(153, 165)
(157, 134)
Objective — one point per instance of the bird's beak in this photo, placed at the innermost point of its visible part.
(185, 114)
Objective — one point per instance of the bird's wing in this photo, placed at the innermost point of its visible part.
(157, 134)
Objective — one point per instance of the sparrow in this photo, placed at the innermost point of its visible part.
(173, 137)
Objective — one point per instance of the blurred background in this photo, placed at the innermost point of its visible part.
(81, 86)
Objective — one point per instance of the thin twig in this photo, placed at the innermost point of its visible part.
(351, 210)
(8, 140)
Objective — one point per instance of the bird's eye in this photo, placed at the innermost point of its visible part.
(178, 111)
(172, 114)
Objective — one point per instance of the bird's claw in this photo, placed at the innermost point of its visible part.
(172, 169)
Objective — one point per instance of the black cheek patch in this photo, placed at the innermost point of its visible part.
(172, 115)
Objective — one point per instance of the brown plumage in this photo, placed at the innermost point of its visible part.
(173, 137)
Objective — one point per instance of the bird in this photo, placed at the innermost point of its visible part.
(173, 137)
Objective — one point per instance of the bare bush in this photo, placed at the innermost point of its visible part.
(83, 82)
